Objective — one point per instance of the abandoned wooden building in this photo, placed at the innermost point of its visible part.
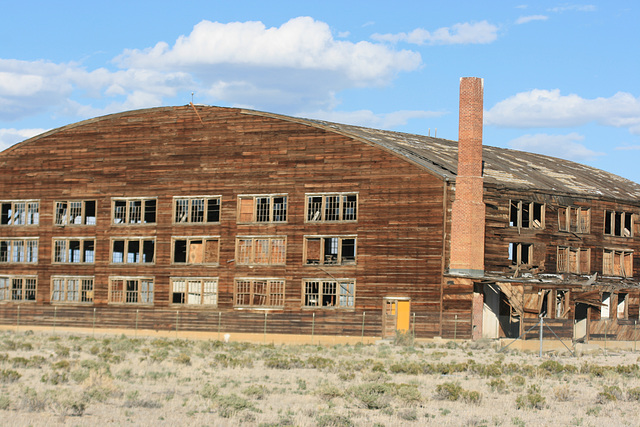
(245, 221)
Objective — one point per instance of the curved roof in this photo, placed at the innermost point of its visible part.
(502, 167)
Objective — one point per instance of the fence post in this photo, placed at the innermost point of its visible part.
(135, 334)
(18, 320)
(606, 329)
(455, 327)
(363, 313)
(541, 326)
(414, 325)
(219, 314)
(265, 328)
(55, 314)
(177, 318)
(313, 326)
(93, 329)
(635, 333)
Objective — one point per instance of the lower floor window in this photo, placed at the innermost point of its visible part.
(617, 263)
(573, 260)
(259, 293)
(18, 288)
(131, 290)
(329, 293)
(72, 289)
(194, 291)
(520, 253)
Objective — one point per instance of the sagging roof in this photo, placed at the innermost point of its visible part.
(503, 167)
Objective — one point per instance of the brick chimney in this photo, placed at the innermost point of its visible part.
(468, 210)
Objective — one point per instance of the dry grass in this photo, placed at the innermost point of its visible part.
(78, 380)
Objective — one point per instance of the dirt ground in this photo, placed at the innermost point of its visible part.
(75, 379)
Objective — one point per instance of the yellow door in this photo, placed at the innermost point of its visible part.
(396, 316)
(404, 310)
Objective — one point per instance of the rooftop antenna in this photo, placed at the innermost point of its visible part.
(192, 97)
(194, 109)
(429, 134)
(435, 135)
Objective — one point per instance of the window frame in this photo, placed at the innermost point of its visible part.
(83, 295)
(519, 207)
(349, 296)
(128, 211)
(577, 215)
(515, 253)
(609, 262)
(255, 214)
(8, 291)
(66, 216)
(187, 292)
(189, 213)
(323, 257)
(126, 252)
(564, 261)
(269, 293)
(623, 222)
(125, 292)
(82, 253)
(174, 239)
(253, 259)
(27, 255)
(322, 217)
(27, 217)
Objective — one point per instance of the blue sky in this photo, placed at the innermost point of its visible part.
(560, 78)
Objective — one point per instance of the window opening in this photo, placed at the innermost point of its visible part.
(259, 293)
(134, 211)
(330, 250)
(133, 251)
(262, 208)
(331, 207)
(327, 293)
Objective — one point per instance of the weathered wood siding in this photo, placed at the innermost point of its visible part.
(169, 152)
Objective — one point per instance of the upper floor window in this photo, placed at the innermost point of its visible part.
(262, 208)
(79, 212)
(332, 207)
(617, 263)
(618, 223)
(196, 250)
(18, 288)
(200, 209)
(255, 292)
(526, 214)
(19, 212)
(574, 219)
(18, 250)
(133, 250)
(134, 211)
(330, 250)
(72, 289)
(74, 250)
(194, 291)
(263, 250)
(520, 253)
(131, 290)
(329, 293)
(574, 260)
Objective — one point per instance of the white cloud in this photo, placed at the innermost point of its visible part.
(548, 108)
(368, 118)
(9, 137)
(461, 33)
(574, 7)
(530, 18)
(628, 147)
(562, 146)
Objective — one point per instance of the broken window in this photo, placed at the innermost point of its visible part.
(574, 219)
(617, 263)
(79, 212)
(622, 309)
(74, 250)
(197, 209)
(19, 212)
(259, 293)
(19, 250)
(605, 307)
(573, 260)
(133, 250)
(262, 208)
(196, 250)
(18, 288)
(330, 250)
(562, 304)
(526, 214)
(261, 250)
(618, 223)
(332, 207)
(194, 291)
(134, 211)
(131, 290)
(72, 289)
(329, 293)
(520, 253)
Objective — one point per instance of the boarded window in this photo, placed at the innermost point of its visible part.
(617, 263)
(264, 250)
(259, 292)
(196, 250)
(262, 208)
